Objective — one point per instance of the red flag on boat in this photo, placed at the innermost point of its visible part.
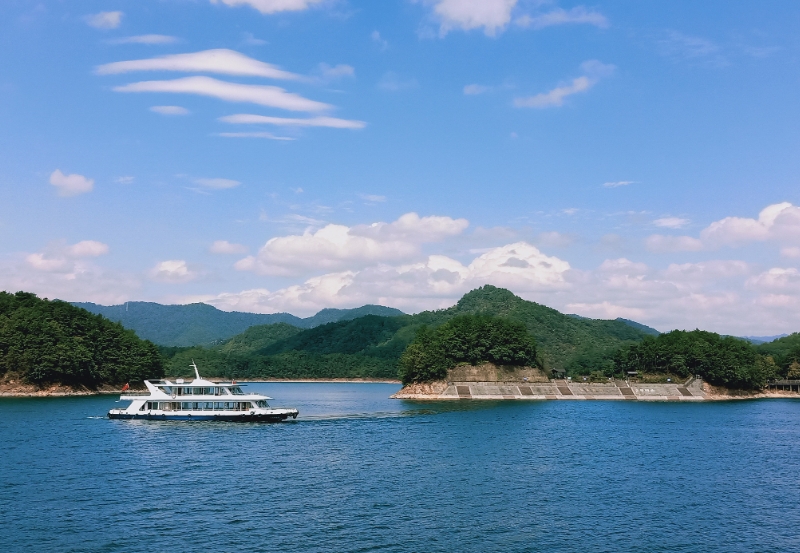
(233, 381)
(126, 387)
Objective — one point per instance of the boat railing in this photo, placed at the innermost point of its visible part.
(135, 394)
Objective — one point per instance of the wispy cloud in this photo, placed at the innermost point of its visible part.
(270, 96)
(475, 89)
(267, 135)
(271, 6)
(104, 20)
(671, 222)
(593, 72)
(173, 271)
(223, 61)
(618, 183)
(372, 198)
(679, 46)
(71, 185)
(332, 73)
(217, 184)
(379, 40)
(560, 16)
(333, 122)
(145, 39)
(391, 81)
(170, 110)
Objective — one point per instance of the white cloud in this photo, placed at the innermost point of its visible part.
(70, 185)
(490, 15)
(677, 44)
(267, 135)
(87, 248)
(125, 179)
(217, 184)
(223, 61)
(776, 222)
(475, 89)
(663, 244)
(372, 198)
(792, 252)
(594, 71)
(227, 248)
(322, 121)
(270, 96)
(145, 39)
(271, 6)
(616, 184)
(170, 110)
(172, 271)
(335, 247)
(104, 20)
(560, 16)
(377, 38)
(671, 222)
(433, 282)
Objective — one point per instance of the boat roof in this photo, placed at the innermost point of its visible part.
(199, 382)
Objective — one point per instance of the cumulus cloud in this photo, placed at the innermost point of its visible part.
(223, 61)
(145, 39)
(379, 40)
(170, 110)
(335, 247)
(433, 282)
(71, 185)
(61, 257)
(270, 96)
(217, 184)
(322, 121)
(104, 20)
(65, 271)
(559, 16)
(227, 248)
(593, 72)
(490, 15)
(271, 6)
(777, 222)
(172, 271)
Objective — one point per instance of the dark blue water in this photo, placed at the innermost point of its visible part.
(359, 472)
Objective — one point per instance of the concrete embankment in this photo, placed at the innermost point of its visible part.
(692, 390)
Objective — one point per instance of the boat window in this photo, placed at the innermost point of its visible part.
(237, 391)
(262, 403)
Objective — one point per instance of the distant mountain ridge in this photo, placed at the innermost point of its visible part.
(370, 346)
(200, 324)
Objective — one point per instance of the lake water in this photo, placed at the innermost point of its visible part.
(359, 472)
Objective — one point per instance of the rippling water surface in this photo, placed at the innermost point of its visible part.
(360, 472)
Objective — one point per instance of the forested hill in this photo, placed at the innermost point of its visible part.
(52, 342)
(371, 346)
(199, 323)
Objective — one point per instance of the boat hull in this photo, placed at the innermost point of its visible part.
(244, 417)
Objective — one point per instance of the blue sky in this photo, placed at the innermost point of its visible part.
(608, 159)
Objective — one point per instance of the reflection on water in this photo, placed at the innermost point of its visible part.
(360, 472)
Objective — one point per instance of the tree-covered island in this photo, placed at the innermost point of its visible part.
(44, 342)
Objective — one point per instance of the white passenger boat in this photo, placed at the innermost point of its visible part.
(198, 400)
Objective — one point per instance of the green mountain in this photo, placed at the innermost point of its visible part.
(199, 323)
(52, 342)
(370, 346)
